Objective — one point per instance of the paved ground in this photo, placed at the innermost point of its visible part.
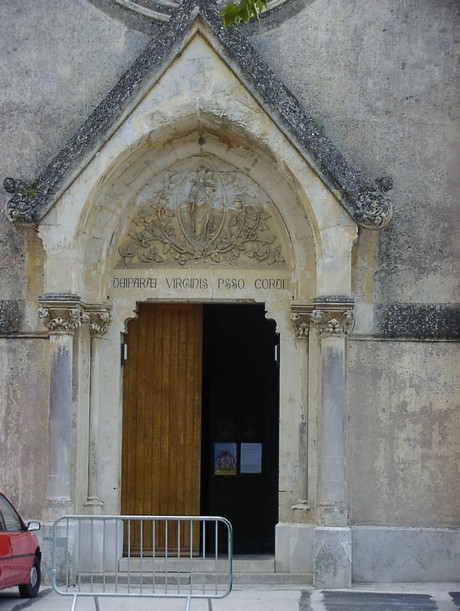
(381, 597)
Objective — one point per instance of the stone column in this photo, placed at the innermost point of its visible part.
(332, 325)
(332, 320)
(98, 324)
(302, 328)
(62, 315)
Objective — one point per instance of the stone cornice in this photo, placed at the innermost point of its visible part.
(364, 199)
(330, 316)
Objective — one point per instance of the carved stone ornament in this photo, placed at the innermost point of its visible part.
(61, 320)
(331, 319)
(301, 323)
(201, 214)
(332, 322)
(99, 322)
(20, 208)
(66, 313)
(373, 209)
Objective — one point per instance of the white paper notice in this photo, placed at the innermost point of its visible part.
(251, 458)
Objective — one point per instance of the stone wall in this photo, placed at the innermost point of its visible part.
(382, 79)
(24, 381)
(404, 418)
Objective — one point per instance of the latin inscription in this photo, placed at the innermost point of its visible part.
(134, 283)
(270, 284)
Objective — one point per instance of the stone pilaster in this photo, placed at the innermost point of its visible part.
(332, 323)
(62, 315)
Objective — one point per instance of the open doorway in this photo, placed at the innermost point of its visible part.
(240, 414)
(200, 420)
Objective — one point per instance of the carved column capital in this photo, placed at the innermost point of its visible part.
(301, 322)
(333, 322)
(99, 321)
(329, 316)
(61, 314)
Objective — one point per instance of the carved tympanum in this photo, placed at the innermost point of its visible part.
(202, 214)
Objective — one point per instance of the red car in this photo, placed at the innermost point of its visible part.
(20, 554)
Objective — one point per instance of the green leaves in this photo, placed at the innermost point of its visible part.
(242, 12)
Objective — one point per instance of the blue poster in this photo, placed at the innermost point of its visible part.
(225, 459)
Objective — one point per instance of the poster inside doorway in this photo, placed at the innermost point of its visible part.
(225, 459)
(251, 458)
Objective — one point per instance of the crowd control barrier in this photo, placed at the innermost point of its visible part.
(185, 557)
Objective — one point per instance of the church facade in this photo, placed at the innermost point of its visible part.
(213, 304)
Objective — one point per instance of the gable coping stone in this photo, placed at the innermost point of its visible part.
(365, 200)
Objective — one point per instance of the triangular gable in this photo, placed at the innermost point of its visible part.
(365, 200)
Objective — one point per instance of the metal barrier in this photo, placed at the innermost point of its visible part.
(142, 556)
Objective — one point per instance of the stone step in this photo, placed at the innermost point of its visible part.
(247, 570)
(173, 579)
(241, 564)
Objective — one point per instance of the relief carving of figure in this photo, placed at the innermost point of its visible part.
(200, 202)
(202, 213)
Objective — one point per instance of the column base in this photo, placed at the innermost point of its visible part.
(294, 549)
(56, 507)
(332, 557)
(95, 503)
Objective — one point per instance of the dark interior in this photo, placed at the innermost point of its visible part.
(240, 398)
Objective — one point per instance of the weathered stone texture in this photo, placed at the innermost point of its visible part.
(59, 56)
(382, 79)
(10, 316)
(21, 278)
(404, 448)
(24, 381)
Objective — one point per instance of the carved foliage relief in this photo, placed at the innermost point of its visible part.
(202, 212)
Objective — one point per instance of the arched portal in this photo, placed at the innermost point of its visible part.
(189, 219)
(204, 237)
(198, 204)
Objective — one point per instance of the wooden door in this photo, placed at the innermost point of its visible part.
(162, 422)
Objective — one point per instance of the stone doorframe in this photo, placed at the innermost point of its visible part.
(84, 460)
